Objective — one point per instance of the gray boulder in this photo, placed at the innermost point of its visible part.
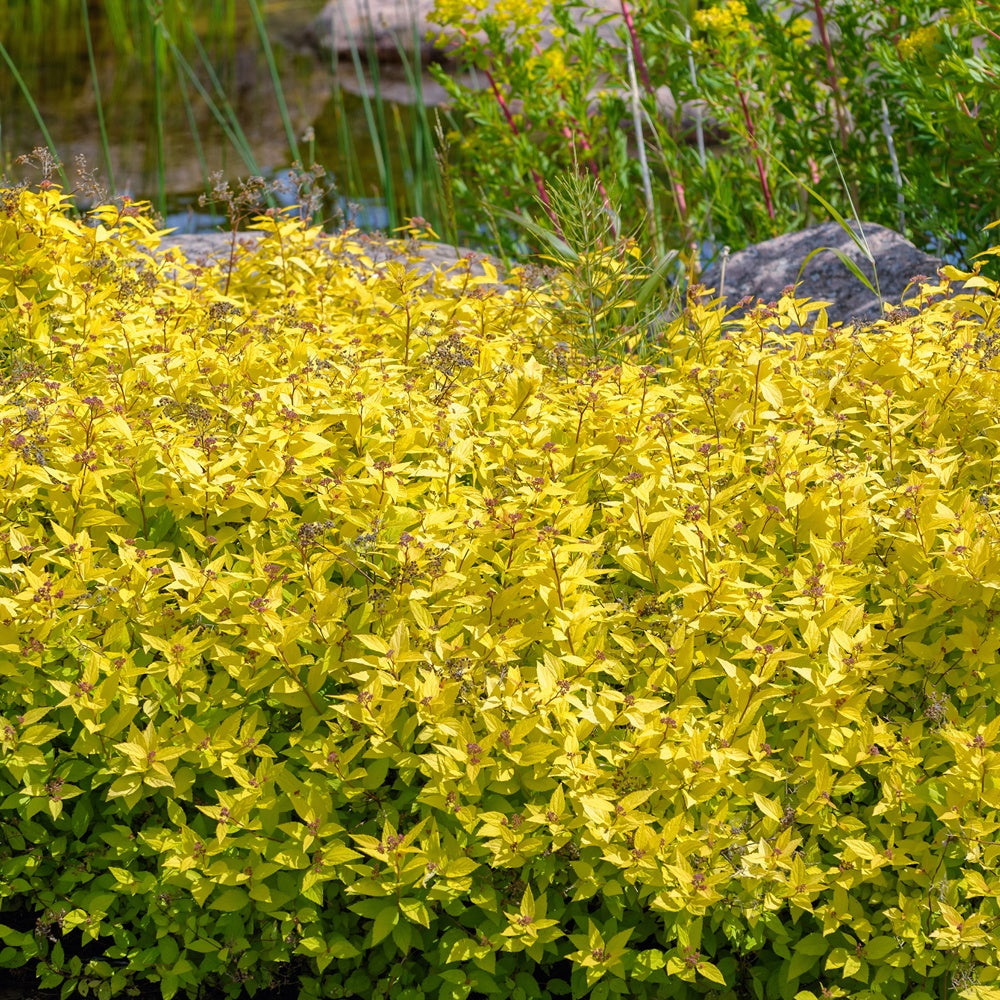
(422, 256)
(763, 270)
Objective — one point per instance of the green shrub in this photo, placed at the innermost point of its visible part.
(359, 630)
(900, 100)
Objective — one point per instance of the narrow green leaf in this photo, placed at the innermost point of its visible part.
(847, 262)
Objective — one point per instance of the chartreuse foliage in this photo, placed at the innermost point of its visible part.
(355, 628)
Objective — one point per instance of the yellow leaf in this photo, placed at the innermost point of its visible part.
(768, 807)
(772, 394)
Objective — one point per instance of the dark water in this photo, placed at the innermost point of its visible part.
(174, 169)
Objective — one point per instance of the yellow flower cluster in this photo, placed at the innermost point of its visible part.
(919, 44)
(555, 64)
(729, 19)
(520, 18)
(457, 12)
(519, 15)
(800, 29)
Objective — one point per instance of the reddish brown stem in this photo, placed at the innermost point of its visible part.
(543, 195)
(831, 69)
(761, 169)
(636, 51)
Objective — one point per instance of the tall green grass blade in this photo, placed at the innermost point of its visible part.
(423, 164)
(655, 280)
(848, 263)
(158, 53)
(101, 124)
(406, 164)
(374, 133)
(859, 241)
(116, 15)
(350, 163)
(647, 184)
(40, 121)
(380, 137)
(445, 188)
(225, 113)
(230, 126)
(348, 166)
(232, 130)
(858, 238)
(275, 80)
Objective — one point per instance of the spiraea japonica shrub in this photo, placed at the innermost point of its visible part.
(358, 630)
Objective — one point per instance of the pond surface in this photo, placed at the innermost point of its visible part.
(171, 164)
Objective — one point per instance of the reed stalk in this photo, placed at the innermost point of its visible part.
(371, 103)
(168, 46)
(272, 67)
(647, 184)
(831, 68)
(192, 121)
(543, 194)
(96, 83)
(158, 55)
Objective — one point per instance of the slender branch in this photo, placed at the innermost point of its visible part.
(636, 51)
(831, 68)
(761, 169)
(543, 195)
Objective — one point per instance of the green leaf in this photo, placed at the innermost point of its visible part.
(169, 952)
(652, 284)
(82, 816)
(230, 900)
(314, 893)
(812, 944)
(462, 950)
(800, 963)
(312, 945)
(369, 907)
(558, 245)
(337, 854)
(384, 922)
(402, 935)
(847, 262)
(126, 785)
(880, 947)
(340, 947)
(176, 813)
(651, 958)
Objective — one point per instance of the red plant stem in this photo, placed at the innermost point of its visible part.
(636, 51)
(761, 169)
(539, 183)
(831, 68)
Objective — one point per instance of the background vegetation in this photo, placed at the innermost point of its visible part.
(701, 123)
(890, 107)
